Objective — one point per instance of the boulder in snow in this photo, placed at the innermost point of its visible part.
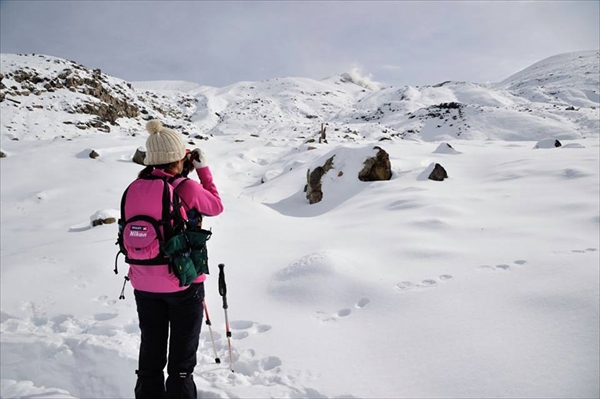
(107, 216)
(139, 156)
(438, 173)
(434, 171)
(377, 168)
(548, 143)
(99, 222)
(445, 148)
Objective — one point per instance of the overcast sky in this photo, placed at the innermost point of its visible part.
(219, 43)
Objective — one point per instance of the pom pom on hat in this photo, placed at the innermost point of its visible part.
(154, 126)
(164, 145)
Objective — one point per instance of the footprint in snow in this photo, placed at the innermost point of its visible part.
(256, 367)
(243, 329)
(240, 335)
(105, 300)
(342, 313)
(263, 370)
(428, 283)
(582, 251)
(362, 302)
(577, 251)
(405, 286)
(501, 267)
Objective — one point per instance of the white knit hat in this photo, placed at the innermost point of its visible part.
(163, 146)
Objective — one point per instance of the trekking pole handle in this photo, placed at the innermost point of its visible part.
(222, 285)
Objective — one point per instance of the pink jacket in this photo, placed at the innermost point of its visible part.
(203, 197)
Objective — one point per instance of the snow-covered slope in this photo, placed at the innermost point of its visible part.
(567, 80)
(555, 98)
(483, 285)
(44, 97)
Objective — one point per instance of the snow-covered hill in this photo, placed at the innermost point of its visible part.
(44, 97)
(555, 98)
(563, 80)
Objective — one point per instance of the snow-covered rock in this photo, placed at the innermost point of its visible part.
(548, 143)
(445, 148)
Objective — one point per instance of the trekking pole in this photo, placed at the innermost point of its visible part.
(212, 338)
(223, 293)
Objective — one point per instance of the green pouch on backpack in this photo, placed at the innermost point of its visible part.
(180, 260)
(184, 269)
(188, 256)
(199, 254)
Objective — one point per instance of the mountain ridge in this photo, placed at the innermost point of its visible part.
(44, 97)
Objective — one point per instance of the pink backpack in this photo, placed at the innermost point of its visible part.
(146, 223)
(154, 230)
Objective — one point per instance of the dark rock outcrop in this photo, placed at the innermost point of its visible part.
(112, 102)
(377, 168)
(313, 189)
(438, 173)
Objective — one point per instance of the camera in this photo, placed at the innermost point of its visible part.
(188, 162)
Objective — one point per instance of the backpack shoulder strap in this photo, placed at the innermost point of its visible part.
(166, 209)
(176, 182)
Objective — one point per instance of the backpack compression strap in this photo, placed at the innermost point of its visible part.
(121, 223)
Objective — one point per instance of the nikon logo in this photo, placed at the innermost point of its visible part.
(137, 234)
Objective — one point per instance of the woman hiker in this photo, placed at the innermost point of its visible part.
(170, 314)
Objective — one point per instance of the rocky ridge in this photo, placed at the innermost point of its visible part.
(70, 99)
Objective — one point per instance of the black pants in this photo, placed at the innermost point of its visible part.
(181, 312)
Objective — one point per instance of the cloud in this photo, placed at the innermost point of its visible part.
(356, 76)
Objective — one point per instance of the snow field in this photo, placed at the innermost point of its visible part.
(481, 285)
